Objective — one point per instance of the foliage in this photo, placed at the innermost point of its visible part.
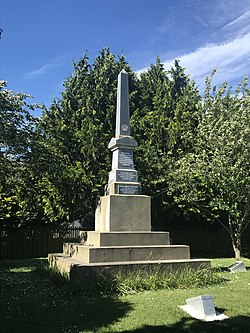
(17, 135)
(192, 155)
(165, 113)
(77, 129)
(214, 179)
(164, 124)
(16, 124)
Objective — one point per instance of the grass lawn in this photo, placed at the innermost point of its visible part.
(30, 301)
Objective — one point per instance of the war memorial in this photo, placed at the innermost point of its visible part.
(122, 239)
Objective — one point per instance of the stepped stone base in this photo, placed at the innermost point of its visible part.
(108, 253)
(79, 272)
(96, 238)
(91, 254)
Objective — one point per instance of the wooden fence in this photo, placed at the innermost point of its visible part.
(35, 242)
(205, 239)
(32, 242)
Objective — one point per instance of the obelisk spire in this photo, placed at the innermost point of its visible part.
(122, 106)
(123, 177)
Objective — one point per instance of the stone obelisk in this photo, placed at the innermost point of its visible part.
(123, 177)
(123, 208)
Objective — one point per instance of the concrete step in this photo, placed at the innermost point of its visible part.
(95, 238)
(92, 254)
(78, 271)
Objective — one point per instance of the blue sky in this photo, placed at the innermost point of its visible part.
(42, 38)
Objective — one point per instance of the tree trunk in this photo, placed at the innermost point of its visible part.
(235, 234)
(237, 252)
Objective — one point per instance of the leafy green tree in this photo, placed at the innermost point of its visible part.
(78, 128)
(79, 125)
(193, 152)
(164, 124)
(17, 132)
(214, 179)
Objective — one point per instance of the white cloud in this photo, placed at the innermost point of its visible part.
(40, 71)
(231, 60)
(242, 19)
(237, 27)
(55, 62)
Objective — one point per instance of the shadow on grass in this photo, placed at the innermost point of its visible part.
(221, 270)
(239, 324)
(31, 303)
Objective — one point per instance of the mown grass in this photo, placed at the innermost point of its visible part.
(33, 299)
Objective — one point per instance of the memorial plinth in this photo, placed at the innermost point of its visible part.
(123, 213)
(122, 238)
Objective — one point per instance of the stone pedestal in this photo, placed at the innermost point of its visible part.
(123, 213)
